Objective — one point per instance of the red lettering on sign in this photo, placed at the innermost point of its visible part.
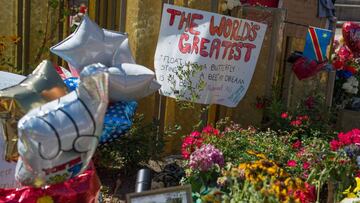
(184, 48)
(193, 25)
(226, 45)
(185, 19)
(173, 13)
(249, 47)
(215, 46)
(195, 45)
(203, 51)
(217, 29)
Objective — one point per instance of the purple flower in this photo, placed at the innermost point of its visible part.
(204, 158)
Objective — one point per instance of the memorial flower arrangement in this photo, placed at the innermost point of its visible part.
(236, 164)
(346, 63)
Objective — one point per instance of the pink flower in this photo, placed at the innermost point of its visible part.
(291, 163)
(210, 130)
(300, 153)
(335, 145)
(297, 144)
(284, 115)
(205, 158)
(296, 123)
(306, 165)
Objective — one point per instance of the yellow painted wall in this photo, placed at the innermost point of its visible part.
(8, 15)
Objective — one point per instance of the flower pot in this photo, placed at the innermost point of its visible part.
(267, 3)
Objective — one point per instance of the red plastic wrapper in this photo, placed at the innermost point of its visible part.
(84, 188)
(305, 68)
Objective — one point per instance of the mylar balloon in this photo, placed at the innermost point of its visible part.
(7, 169)
(58, 139)
(43, 85)
(351, 35)
(90, 44)
(128, 82)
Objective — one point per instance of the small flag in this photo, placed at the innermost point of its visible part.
(317, 41)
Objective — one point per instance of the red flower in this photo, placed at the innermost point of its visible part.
(296, 123)
(191, 143)
(345, 138)
(357, 174)
(344, 53)
(260, 105)
(291, 163)
(310, 102)
(306, 165)
(352, 69)
(355, 136)
(302, 118)
(195, 134)
(338, 64)
(284, 115)
(297, 144)
(335, 145)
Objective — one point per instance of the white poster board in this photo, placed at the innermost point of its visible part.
(7, 170)
(226, 48)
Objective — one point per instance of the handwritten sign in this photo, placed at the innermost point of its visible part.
(225, 48)
(7, 170)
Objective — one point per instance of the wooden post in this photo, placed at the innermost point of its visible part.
(60, 27)
(26, 38)
(19, 46)
(122, 15)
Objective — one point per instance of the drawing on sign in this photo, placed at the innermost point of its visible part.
(225, 48)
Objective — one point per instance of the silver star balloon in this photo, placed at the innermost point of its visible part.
(90, 44)
(57, 140)
(128, 82)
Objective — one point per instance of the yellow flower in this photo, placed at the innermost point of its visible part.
(357, 185)
(348, 193)
(262, 156)
(242, 166)
(251, 152)
(271, 170)
(45, 199)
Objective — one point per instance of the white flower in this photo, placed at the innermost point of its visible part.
(350, 86)
(232, 3)
(224, 7)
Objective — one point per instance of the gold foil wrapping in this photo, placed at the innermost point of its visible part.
(42, 86)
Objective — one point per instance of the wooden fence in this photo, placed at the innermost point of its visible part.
(40, 26)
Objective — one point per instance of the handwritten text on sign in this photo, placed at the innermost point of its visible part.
(226, 48)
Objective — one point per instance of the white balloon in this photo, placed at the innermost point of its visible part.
(128, 82)
(90, 44)
(57, 140)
